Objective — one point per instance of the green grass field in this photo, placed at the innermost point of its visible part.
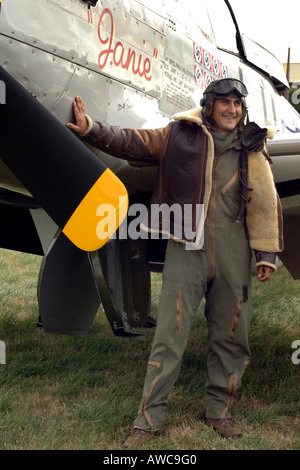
(83, 393)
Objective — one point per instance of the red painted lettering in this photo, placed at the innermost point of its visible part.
(117, 52)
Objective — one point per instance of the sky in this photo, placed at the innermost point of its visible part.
(274, 25)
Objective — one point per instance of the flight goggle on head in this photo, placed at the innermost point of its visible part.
(224, 87)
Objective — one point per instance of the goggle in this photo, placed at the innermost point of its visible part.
(226, 86)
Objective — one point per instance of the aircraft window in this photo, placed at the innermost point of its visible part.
(222, 24)
(274, 111)
(264, 104)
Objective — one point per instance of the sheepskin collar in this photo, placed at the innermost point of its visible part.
(192, 115)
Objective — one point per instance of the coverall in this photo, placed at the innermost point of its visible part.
(220, 271)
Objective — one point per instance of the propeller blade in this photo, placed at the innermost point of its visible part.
(67, 295)
(63, 175)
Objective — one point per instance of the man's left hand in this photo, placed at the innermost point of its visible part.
(264, 273)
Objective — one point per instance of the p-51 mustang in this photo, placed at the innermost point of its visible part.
(136, 63)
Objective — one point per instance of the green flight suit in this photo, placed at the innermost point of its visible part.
(220, 271)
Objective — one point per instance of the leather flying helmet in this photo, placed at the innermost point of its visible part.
(229, 87)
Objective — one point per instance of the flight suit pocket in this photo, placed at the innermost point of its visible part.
(230, 184)
(178, 327)
(237, 312)
(236, 315)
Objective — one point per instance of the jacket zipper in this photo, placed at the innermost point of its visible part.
(200, 177)
(212, 229)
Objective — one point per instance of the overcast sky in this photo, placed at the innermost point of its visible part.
(274, 25)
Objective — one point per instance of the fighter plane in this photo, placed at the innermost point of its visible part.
(136, 63)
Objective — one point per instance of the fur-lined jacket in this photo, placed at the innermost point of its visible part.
(185, 175)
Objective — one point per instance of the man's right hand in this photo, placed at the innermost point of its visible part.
(81, 122)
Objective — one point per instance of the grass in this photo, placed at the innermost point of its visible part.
(69, 393)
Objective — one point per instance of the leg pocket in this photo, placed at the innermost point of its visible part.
(236, 315)
(178, 327)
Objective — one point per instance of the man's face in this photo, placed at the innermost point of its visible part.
(227, 113)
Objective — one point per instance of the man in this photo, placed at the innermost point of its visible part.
(198, 158)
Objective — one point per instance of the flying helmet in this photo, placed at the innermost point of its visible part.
(229, 87)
